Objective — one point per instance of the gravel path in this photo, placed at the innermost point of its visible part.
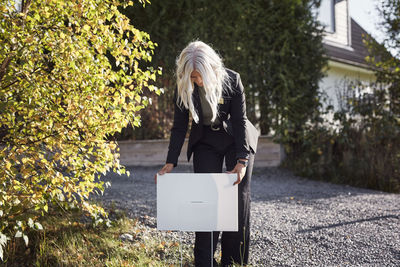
(294, 221)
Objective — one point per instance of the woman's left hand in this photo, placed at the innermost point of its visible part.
(240, 169)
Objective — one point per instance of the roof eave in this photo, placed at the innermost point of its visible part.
(356, 64)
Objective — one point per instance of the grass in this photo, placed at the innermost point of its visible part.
(67, 241)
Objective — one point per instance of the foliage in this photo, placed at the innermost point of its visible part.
(274, 45)
(388, 65)
(70, 76)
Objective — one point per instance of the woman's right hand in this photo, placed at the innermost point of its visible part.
(166, 169)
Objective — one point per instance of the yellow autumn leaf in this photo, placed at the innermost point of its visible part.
(8, 165)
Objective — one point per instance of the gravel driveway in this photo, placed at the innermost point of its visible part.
(294, 221)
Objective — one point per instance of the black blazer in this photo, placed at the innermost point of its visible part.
(232, 114)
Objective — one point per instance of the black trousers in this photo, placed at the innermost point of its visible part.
(208, 157)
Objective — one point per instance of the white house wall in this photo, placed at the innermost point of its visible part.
(336, 75)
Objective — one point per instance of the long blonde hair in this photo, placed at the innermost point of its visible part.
(202, 58)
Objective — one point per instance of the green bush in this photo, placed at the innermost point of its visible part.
(276, 46)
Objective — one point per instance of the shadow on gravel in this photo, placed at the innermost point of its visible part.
(268, 184)
(316, 228)
(144, 173)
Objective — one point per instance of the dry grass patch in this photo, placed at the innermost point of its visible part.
(68, 239)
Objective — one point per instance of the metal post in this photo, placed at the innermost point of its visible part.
(212, 245)
(180, 244)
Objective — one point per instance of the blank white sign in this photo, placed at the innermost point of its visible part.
(197, 202)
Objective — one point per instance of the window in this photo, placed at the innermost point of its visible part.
(326, 14)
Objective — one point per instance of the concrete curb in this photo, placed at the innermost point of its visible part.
(154, 152)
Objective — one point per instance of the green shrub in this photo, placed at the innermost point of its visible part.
(276, 46)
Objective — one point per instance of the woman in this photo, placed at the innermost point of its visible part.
(215, 98)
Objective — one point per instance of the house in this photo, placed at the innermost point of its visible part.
(346, 52)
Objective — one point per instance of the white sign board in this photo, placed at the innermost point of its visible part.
(197, 202)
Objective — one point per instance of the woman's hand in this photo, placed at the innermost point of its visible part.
(166, 169)
(240, 169)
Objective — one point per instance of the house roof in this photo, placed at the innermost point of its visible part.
(356, 54)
